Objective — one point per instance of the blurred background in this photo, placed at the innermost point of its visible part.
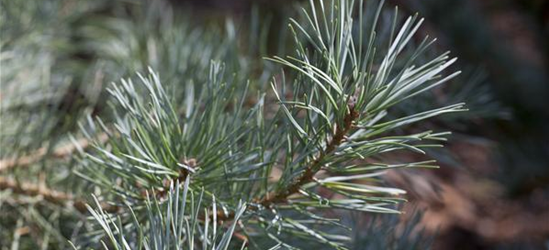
(491, 192)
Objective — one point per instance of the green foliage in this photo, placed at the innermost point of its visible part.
(200, 150)
(332, 117)
(173, 223)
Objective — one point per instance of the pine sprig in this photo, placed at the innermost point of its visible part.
(332, 119)
(315, 166)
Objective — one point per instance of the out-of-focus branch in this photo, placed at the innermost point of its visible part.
(39, 154)
(50, 195)
(29, 189)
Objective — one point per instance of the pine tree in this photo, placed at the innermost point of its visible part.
(208, 153)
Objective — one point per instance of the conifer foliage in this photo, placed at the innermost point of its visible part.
(325, 137)
(217, 161)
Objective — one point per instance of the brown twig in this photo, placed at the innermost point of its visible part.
(50, 195)
(40, 153)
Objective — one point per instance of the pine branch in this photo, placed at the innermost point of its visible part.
(158, 124)
(315, 166)
(336, 113)
(309, 173)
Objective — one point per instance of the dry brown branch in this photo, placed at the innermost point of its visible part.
(61, 152)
